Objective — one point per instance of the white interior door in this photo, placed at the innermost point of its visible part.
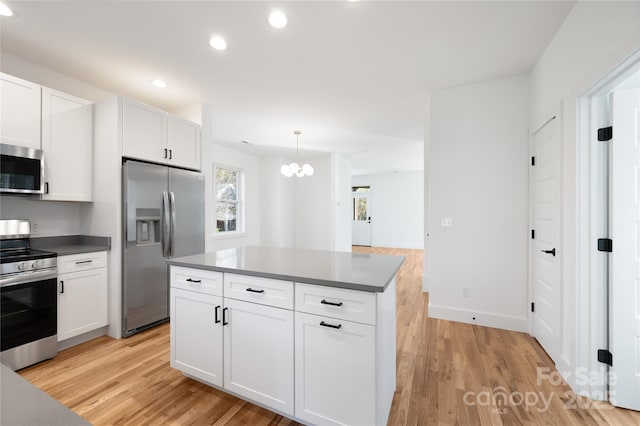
(624, 278)
(361, 229)
(545, 250)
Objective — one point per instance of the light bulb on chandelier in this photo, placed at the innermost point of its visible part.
(289, 170)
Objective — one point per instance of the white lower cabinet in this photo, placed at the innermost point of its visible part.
(82, 299)
(335, 371)
(196, 334)
(258, 353)
(256, 340)
(328, 361)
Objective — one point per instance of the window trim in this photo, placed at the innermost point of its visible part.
(240, 230)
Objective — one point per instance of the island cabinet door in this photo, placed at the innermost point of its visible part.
(196, 335)
(335, 371)
(258, 353)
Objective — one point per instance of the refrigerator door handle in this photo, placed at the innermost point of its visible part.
(172, 204)
(166, 224)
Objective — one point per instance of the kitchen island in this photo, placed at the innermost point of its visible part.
(308, 334)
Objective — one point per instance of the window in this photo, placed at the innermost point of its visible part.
(228, 208)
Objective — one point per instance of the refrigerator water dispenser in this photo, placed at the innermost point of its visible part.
(147, 226)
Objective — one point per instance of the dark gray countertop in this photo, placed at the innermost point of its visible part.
(72, 244)
(24, 404)
(356, 271)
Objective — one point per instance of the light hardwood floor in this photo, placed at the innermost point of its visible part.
(441, 365)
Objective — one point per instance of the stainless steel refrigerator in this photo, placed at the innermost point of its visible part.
(163, 217)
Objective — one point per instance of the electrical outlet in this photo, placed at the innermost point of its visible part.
(466, 292)
(446, 222)
(34, 228)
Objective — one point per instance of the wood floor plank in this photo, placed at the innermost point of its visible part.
(447, 374)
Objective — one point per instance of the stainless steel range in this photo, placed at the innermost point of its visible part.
(29, 300)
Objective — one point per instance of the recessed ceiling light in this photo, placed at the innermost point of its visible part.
(159, 83)
(5, 11)
(278, 19)
(218, 43)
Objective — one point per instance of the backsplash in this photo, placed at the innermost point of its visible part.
(48, 218)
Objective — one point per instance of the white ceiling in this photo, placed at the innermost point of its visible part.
(353, 76)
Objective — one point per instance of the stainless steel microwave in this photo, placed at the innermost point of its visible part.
(21, 170)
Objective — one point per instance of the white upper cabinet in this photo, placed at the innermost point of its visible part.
(183, 143)
(143, 132)
(151, 134)
(67, 141)
(19, 112)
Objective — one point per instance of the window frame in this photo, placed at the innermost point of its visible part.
(239, 202)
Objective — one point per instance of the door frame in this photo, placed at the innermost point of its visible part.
(592, 292)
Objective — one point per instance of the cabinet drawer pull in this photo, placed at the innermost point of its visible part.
(165, 153)
(224, 316)
(324, 324)
(82, 262)
(217, 314)
(189, 280)
(324, 302)
(170, 154)
(254, 291)
(61, 287)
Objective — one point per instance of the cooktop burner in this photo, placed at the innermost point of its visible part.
(22, 255)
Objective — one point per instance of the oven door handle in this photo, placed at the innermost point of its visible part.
(28, 277)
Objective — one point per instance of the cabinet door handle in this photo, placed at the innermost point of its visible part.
(46, 187)
(82, 262)
(170, 154)
(324, 302)
(324, 324)
(189, 280)
(254, 291)
(165, 152)
(61, 287)
(217, 314)
(224, 316)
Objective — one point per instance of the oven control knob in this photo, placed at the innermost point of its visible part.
(35, 264)
(22, 266)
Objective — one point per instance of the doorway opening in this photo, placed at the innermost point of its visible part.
(608, 333)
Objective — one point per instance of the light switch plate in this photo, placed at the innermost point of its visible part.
(446, 222)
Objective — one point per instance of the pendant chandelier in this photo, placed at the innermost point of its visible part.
(294, 168)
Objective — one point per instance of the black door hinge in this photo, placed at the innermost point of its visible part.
(533, 307)
(605, 244)
(605, 134)
(605, 357)
(533, 161)
(533, 234)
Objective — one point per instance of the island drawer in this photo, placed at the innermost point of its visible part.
(265, 291)
(198, 280)
(351, 305)
(81, 262)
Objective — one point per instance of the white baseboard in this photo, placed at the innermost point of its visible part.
(479, 318)
(397, 245)
(90, 335)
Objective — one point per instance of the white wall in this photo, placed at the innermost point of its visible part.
(397, 208)
(277, 204)
(250, 164)
(310, 212)
(595, 37)
(478, 176)
(313, 217)
(342, 202)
